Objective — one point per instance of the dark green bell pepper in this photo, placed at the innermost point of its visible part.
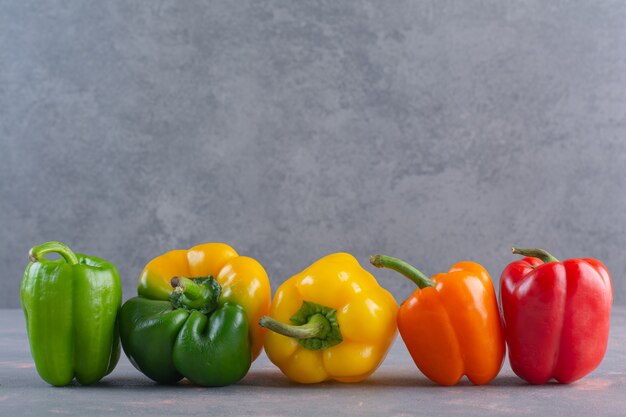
(71, 306)
(194, 335)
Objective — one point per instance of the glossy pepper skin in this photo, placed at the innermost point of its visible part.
(556, 315)
(342, 322)
(451, 323)
(71, 307)
(203, 328)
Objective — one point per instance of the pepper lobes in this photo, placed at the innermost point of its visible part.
(342, 322)
(196, 315)
(451, 323)
(71, 306)
(556, 315)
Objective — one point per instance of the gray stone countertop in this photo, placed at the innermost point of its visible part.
(396, 389)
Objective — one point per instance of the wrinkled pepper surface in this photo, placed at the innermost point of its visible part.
(71, 307)
(331, 321)
(451, 323)
(196, 316)
(556, 315)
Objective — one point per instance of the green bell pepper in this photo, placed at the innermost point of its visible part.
(71, 307)
(195, 334)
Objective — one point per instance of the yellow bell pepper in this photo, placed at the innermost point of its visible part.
(243, 280)
(342, 322)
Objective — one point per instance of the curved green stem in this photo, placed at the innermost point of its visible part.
(314, 326)
(62, 249)
(542, 254)
(398, 265)
(317, 327)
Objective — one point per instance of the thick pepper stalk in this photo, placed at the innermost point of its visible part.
(71, 307)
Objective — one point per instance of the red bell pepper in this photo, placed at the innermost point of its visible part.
(556, 315)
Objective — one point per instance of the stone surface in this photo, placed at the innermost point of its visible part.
(396, 389)
(432, 130)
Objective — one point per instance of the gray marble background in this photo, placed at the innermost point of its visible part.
(435, 131)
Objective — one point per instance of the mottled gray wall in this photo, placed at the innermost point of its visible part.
(431, 130)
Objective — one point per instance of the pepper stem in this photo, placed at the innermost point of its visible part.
(317, 326)
(62, 249)
(195, 294)
(398, 265)
(542, 254)
(186, 286)
(314, 326)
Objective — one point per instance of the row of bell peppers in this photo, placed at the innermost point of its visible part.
(205, 314)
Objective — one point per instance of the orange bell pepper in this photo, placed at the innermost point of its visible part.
(243, 280)
(451, 323)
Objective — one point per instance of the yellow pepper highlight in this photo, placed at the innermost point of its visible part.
(365, 315)
(243, 280)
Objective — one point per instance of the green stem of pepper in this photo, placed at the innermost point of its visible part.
(316, 327)
(542, 254)
(62, 249)
(192, 295)
(406, 269)
(191, 290)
